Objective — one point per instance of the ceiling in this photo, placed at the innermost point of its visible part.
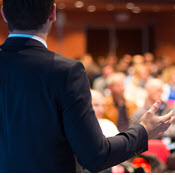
(118, 5)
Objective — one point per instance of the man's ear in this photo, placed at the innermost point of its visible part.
(52, 17)
(3, 15)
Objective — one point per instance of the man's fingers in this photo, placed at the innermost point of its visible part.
(170, 120)
(154, 107)
(168, 116)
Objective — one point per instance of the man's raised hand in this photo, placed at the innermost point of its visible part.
(156, 125)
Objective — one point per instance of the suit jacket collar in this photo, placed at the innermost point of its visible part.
(16, 43)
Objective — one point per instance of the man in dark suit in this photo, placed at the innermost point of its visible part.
(46, 118)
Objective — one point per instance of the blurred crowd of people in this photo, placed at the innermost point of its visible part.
(124, 89)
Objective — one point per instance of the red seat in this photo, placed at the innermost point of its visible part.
(158, 148)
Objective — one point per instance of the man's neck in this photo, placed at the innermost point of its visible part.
(38, 34)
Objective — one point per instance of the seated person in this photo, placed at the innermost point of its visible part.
(98, 102)
(107, 127)
(135, 89)
(99, 83)
(154, 88)
(169, 87)
(117, 109)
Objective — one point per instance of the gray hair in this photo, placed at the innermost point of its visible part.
(115, 77)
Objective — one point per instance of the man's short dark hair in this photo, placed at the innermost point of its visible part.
(27, 14)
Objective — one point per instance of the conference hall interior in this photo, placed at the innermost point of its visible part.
(128, 50)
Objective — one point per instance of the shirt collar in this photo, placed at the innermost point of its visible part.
(29, 36)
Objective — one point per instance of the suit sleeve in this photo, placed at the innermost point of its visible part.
(93, 150)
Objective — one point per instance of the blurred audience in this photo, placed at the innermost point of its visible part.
(168, 77)
(111, 60)
(150, 63)
(154, 89)
(101, 61)
(122, 97)
(117, 109)
(98, 103)
(99, 83)
(166, 61)
(108, 127)
(135, 86)
(136, 60)
(148, 57)
(92, 69)
(124, 64)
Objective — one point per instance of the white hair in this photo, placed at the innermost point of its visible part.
(151, 83)
(115, 77)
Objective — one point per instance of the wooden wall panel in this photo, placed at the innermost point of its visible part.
(165, 35)
(73, 41)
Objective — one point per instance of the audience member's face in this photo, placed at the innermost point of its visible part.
(166, 62)
(155, 92)
(172, 78)
(118, 87)
(124, 65)
(88, 59)
(108, 70)
(98, 103)
(112, 60)
(149, 57)
(127, 58)
(138, 59)
(144, 74)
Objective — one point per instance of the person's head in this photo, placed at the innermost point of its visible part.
(107, 70)
(122, 66)
(127, 58)
(141, 75)
(115, 83)
(29, 15)
(154, 88)
(87, 59)
(111, 60)
(138, 59)
(141, 72)
(101, 61)
(168, 75)
(149, 57)
(98, 103)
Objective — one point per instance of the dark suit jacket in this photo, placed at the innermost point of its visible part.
(46, 116)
